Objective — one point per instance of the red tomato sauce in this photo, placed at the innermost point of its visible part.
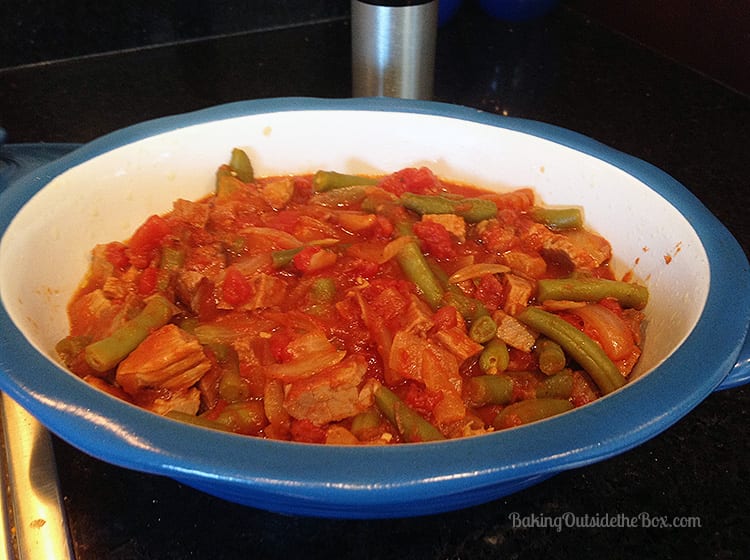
(284, 308)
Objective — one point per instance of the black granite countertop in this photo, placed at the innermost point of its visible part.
(563, 70)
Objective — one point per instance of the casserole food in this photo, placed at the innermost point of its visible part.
(351, 309)
(696, 273)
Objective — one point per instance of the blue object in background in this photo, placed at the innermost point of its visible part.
(446, 10)
(517, 10)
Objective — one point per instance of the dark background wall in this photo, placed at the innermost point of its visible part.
(33, 31)
(712, 36)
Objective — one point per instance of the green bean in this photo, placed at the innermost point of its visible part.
(470, 209)
(558, 386)
(196, 420)
(327, 180)
(322, 290)
(549, 355)
(320, 295)
(482, 329)
(531, 410)
(411, 426)
(489, 389)
(341, 196)
(557, 218)
(432, 282)
(70, 349)
(469, 307)
(415, 267)
(592, 289)
(245, 417)
(232, 386)
(364, 422)
(106, 353)
(189, 324)
(495, 357)
(383, 203)
(171, 259)
(589, 355)
(226, 182)
(283, 257)
(241, 165)
(215, 336)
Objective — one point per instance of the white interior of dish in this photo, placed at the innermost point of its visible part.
(45, 251)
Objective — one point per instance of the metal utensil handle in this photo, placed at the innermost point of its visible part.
(35, 524)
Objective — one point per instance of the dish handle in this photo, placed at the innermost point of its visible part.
(740, 373)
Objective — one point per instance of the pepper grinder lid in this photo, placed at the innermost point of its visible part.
(393, 48)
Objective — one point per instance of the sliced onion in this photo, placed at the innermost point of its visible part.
(273, 238)
(325, 242)
(613, 333)
(311, 353)
(477, 271)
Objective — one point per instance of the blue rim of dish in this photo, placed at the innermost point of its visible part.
(387, 481)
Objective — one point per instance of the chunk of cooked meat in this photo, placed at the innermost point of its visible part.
(513, 332)
(187, 402)
(583, 248)
(330, 395)
(278, 193)
(169, 358)
(518, 292)
(455, 225)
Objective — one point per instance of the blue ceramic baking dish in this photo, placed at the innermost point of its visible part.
(696, 327)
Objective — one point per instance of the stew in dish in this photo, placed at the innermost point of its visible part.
(342, 309)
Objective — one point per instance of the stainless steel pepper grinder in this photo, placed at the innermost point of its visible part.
(393, 48)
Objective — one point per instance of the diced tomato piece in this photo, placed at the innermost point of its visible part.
(148, 280)
(416, 180)
(150, 234)
(490, 291)
(435, 239)
(444, 318)
(389, 299)
(420, 399)
(279, 343)
(311, 259)
(383, 227)
(361, 268)
(302, 259)
(147, 239)
(236, 289)
(116, 254)
(307, 432)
